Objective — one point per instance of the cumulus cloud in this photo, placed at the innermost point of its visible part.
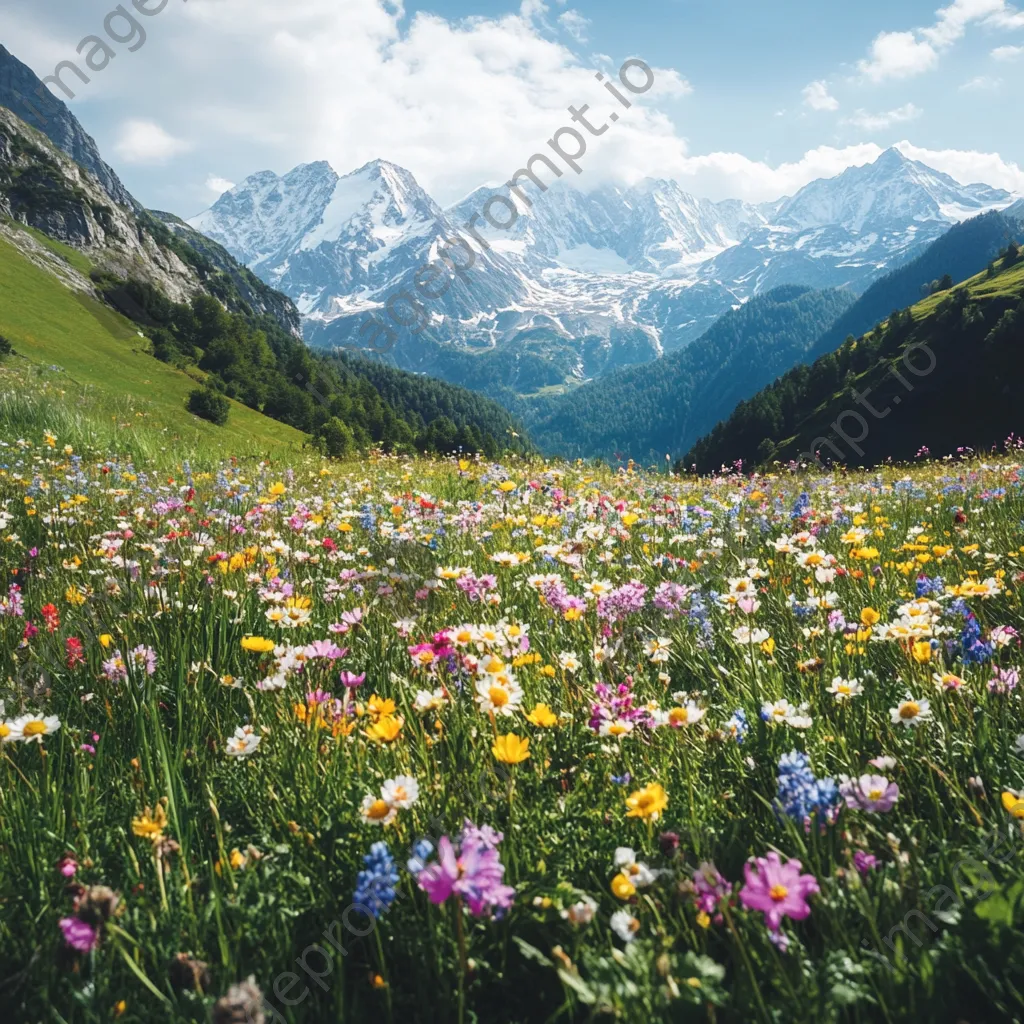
(218, 186)
(1007, 53)
(817, 97)
(896, 55)
(145, 142)
(255, 84)
(875, 122)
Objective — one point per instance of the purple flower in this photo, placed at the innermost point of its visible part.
(473, 874)
(870, 793)
(710, 887)
(144, 658)
(865, 862)
(1003, 681)
(779, 890)
(79, 935)
(351, 679)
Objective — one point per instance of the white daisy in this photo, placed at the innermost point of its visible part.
(244, 742)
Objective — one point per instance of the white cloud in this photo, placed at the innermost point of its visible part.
(983, 83)
(218, 186)
(969, 166)
(732, 175)
(905, 54)
(817, 97)
(875, 122)
(897, 55)
(575, 24)
(145, 142)
(1007, 53)
(953, 20)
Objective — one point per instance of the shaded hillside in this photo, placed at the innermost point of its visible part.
(647, 411)
(961, 253)
(942, 375)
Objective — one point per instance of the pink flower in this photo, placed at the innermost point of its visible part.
(870, 793)
(777, 889)
(67, 866)
(474, 874)
(351, 679)
(79, 935)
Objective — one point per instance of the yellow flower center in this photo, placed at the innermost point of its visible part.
(36, 728)
(778, 893)
(498, 697)
(875, 794)
(377, 810)
(400, 793)
(911, 709)
(5, 730)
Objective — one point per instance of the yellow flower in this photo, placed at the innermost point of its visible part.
(704, 920)
(543, 717)
(768, 647)
(237, 859)
(507, 486)
(277, 490)
(922, 651)
(548, 670)
(379, 707)
(150, 824)
(1013, 803)
(869, 616)
(258, 644)
(648, 802)
(510, 749)
(385, 729)
(105, 640)
(622, 887)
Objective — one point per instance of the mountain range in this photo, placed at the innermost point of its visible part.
(583, 282)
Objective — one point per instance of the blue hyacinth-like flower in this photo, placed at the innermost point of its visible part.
(801, 794)
(375, 884)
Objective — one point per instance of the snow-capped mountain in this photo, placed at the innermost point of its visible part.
(583, 281)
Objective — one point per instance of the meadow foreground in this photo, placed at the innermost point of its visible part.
(459, 740)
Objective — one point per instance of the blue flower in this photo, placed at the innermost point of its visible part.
(801, 794)
(375, 884)
(737, 726)
(421, 850)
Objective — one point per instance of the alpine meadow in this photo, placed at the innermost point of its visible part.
(592, 597)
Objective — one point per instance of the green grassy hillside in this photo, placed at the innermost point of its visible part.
(103, 356)
(940, 375)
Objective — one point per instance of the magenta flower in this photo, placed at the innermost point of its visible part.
(78, 934)
(352, 680)
(870, 793)
(777, 889)
(473, 875)
(865, 862)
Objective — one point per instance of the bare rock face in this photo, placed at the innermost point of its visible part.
(20, 93)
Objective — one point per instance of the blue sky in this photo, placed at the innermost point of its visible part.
(751, 99)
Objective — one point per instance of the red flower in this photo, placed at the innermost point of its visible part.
(75, 656)
(51, 617)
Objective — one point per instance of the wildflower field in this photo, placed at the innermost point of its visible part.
(460, 741)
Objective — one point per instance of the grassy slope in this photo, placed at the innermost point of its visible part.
(102, 353)
(1008, 284)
